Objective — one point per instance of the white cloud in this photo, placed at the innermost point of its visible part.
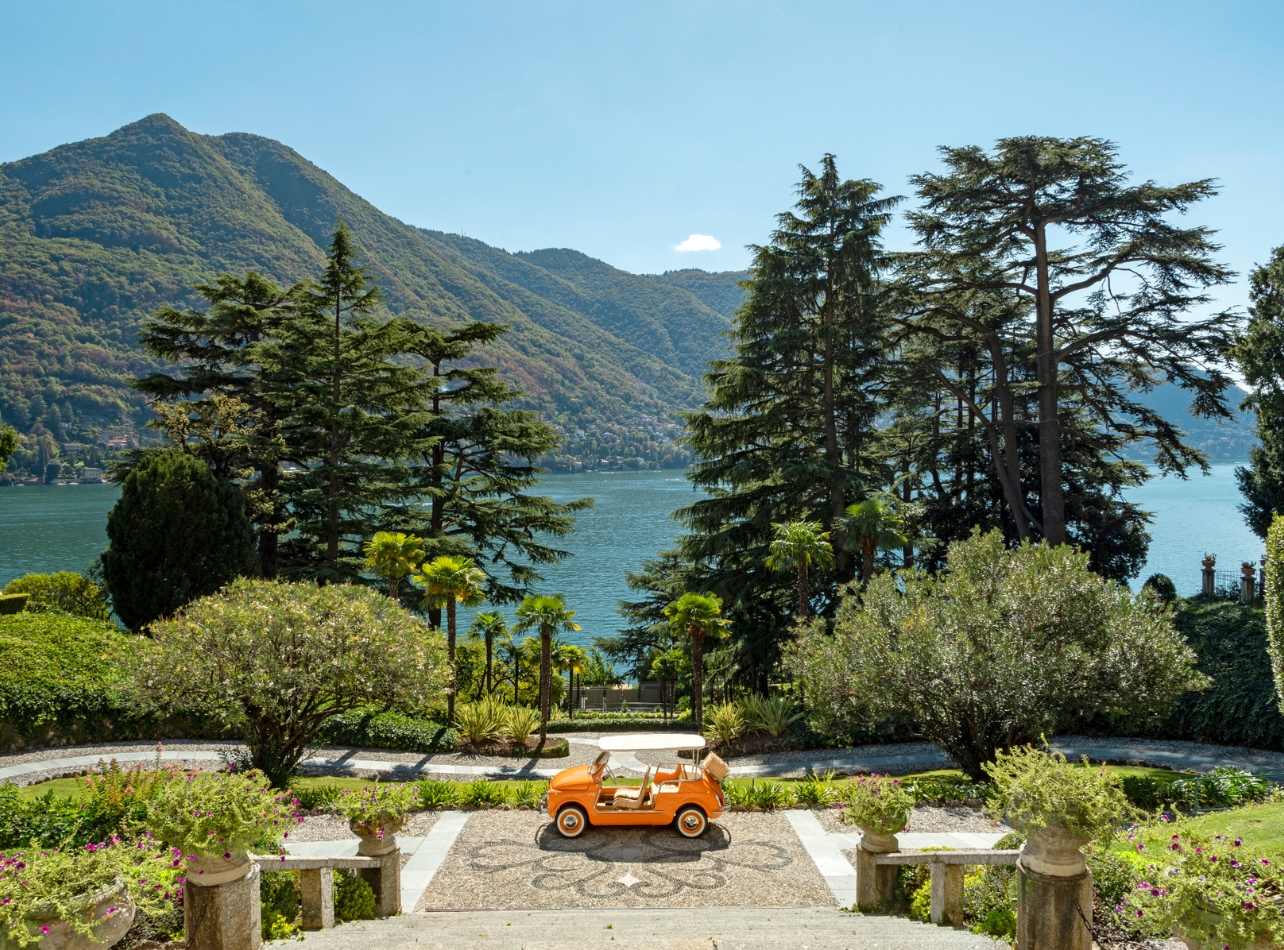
(699, 242)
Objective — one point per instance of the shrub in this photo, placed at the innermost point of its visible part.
(60, 671)
(13, 603)
(816, 788)
(1275, 603)
(49, 820)
(1221, 788)
(279, 903)
(1214, 891)
(67, 591)
(354, 899)
(940, 792)
(376, 803)
(723, 722)
(55, 883)
(772, 716)
(485, 721)
(1034, 789)
(118, 801)
(528, 794)
(757, 796)
(211, 813)
(1241, 706)
(481, 793)
(520, 723)
(277, 660)
(372, 729)
(878, 804)
(438, 793)
(1004, 646)
(177, 533)
(315, 797)
(1162, 586)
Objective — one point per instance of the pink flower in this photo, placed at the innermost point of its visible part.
(44, 929)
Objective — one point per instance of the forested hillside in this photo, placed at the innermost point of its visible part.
(97, 234)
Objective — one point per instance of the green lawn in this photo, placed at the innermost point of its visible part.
(1261, 826)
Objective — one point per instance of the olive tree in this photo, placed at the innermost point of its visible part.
(1005, 645)
(276, 660)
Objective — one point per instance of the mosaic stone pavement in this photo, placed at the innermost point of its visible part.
(516, 860)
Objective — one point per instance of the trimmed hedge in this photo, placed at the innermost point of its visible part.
(13, 603)
(372, 729)
(1240, 707)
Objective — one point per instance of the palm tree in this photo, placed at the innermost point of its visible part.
(486, 627)
(570, 659)
(870, 525)
(448, 581)
(511, 652)
(548, 614)
(800, 544)
(667, 667)
(697, 617)
(393, 555)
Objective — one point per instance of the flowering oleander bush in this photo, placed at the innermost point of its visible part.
(277, 660)
(1034, 789)
(39, 885)
(216, 813)
(1213, 890)
(376, 805)
(877, 803)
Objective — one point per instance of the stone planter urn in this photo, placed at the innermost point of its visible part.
(111, 909)
(211, 870)
(1054, 892)
(378, 837)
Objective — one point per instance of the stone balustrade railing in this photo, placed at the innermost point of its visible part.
(947, 875)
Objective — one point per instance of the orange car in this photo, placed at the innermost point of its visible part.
(682, 794)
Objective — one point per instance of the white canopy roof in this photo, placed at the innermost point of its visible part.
(650, 741)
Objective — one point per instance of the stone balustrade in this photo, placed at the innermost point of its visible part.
(947, 875)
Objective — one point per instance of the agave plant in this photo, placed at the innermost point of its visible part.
(724, 722)
(528, 794)
(483, 721)
(521, 722)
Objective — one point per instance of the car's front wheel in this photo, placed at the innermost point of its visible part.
(571, 821)
(691, 822)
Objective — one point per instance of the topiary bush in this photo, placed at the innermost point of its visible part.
(1162, 586)
(372, 729)
(13, 603)
(354, 899)
(67, 591)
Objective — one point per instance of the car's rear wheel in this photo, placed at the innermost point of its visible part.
(571, 821)
(691, 822)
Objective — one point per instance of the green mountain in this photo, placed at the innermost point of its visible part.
(97, 234)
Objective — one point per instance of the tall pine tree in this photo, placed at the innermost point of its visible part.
(788, 432)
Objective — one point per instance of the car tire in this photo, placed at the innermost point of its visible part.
(691, 822)
(571, 821)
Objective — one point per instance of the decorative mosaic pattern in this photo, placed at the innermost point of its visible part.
(513, 860)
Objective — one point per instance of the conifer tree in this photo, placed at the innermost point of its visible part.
(477, 467)
(353, 414)
(1259, 352)
(1106, 278)
(788, 432)
(219, 351)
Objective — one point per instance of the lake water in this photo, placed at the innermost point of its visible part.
(63, 527)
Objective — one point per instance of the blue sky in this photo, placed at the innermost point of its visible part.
(622, 128)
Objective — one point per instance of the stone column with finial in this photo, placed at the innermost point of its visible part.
(1209, 577)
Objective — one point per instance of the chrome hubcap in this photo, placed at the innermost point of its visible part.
(571, 821)
(692, 822)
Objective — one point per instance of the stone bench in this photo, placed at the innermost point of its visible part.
(316, 882)
(947, 875)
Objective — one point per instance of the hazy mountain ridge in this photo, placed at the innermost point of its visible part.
(99, 233)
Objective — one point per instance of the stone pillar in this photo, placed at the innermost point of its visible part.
(223, 916)
(316, 888)
(1209, 577)
(385, 880)
(1054, 893)
(1247, 583)
(947, 893)
(875, 883)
